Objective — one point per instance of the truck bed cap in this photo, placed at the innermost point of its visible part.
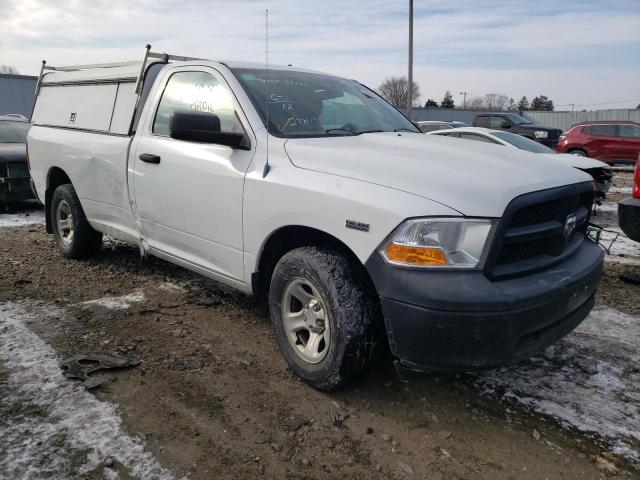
(124, 72)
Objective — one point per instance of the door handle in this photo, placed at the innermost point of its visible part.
(149, 158)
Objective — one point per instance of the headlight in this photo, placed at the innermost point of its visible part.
(438, 243)
(541, 134)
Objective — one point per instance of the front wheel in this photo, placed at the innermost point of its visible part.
(580, 153)
(324, 318)
(74, 236)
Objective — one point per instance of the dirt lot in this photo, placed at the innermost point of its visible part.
(212, 397)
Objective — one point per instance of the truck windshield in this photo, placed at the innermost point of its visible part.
(523, 143)
(300, 104)
(13, 132)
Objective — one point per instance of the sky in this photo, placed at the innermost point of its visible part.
(585, 53)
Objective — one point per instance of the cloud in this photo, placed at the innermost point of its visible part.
(574, 51)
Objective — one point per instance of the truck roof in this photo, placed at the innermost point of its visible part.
(129, 71)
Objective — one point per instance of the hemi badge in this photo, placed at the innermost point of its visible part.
(363, 227)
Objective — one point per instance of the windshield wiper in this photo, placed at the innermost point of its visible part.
(331, 130)
(404, 129)
(351, 132)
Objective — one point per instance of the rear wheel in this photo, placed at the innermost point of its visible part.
(74, 236)
(579, 152)
(324, 317)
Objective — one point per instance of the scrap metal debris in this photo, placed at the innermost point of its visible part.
(337, 414)
(82, 367)
(630, 277)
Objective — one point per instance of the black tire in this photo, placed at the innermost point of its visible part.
(351, 312)
(579, 152)
(84, 241)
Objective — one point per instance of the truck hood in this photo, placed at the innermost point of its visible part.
(478, 180)
(12, 152)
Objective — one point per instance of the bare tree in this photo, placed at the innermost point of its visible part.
(496, 101)
(8, 69)
(395, 90)
(476, 103)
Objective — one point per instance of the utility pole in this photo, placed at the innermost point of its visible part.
(464, 99)
(410, 85)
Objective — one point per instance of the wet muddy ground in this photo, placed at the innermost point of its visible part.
(212, 397)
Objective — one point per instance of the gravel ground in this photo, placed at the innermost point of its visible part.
(212, 397)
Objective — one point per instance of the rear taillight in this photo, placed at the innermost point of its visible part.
(27, 156)
(636, 180)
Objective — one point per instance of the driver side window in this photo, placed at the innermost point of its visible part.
(200, 92)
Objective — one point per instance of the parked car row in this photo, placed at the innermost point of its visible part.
(607, 141)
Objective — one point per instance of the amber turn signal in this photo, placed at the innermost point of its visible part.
(409, 255)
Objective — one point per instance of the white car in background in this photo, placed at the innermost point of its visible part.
(428, 126)
(597, 169)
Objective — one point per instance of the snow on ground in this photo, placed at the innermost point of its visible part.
(171, 287)
(625, 189)
(116, 303)
(589, 381)
(49, 413)
(623, 249)
(22, 218)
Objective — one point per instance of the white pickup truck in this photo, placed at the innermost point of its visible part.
(311, 192)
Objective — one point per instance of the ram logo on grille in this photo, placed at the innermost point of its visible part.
(569, 225)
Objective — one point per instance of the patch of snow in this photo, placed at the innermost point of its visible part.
(589, 381)
(624, 250)
(626, 189)
(116, 303)
(35, 217)
(64, 412)
(171, 287)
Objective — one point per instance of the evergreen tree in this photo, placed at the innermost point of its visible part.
(430, 103)
(523, 104)
(447, 101)
(542, 103)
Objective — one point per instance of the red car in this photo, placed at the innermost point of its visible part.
(605, 140)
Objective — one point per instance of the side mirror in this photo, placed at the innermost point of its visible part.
(505, 125)
(205, 128)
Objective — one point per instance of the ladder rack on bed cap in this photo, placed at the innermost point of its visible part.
(148, 54)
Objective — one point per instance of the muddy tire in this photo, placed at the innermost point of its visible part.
(324, 318)
(74, 236)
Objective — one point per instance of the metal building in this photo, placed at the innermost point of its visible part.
(16, 94)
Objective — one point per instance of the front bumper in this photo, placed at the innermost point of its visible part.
(629, 217)
(461, 320)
